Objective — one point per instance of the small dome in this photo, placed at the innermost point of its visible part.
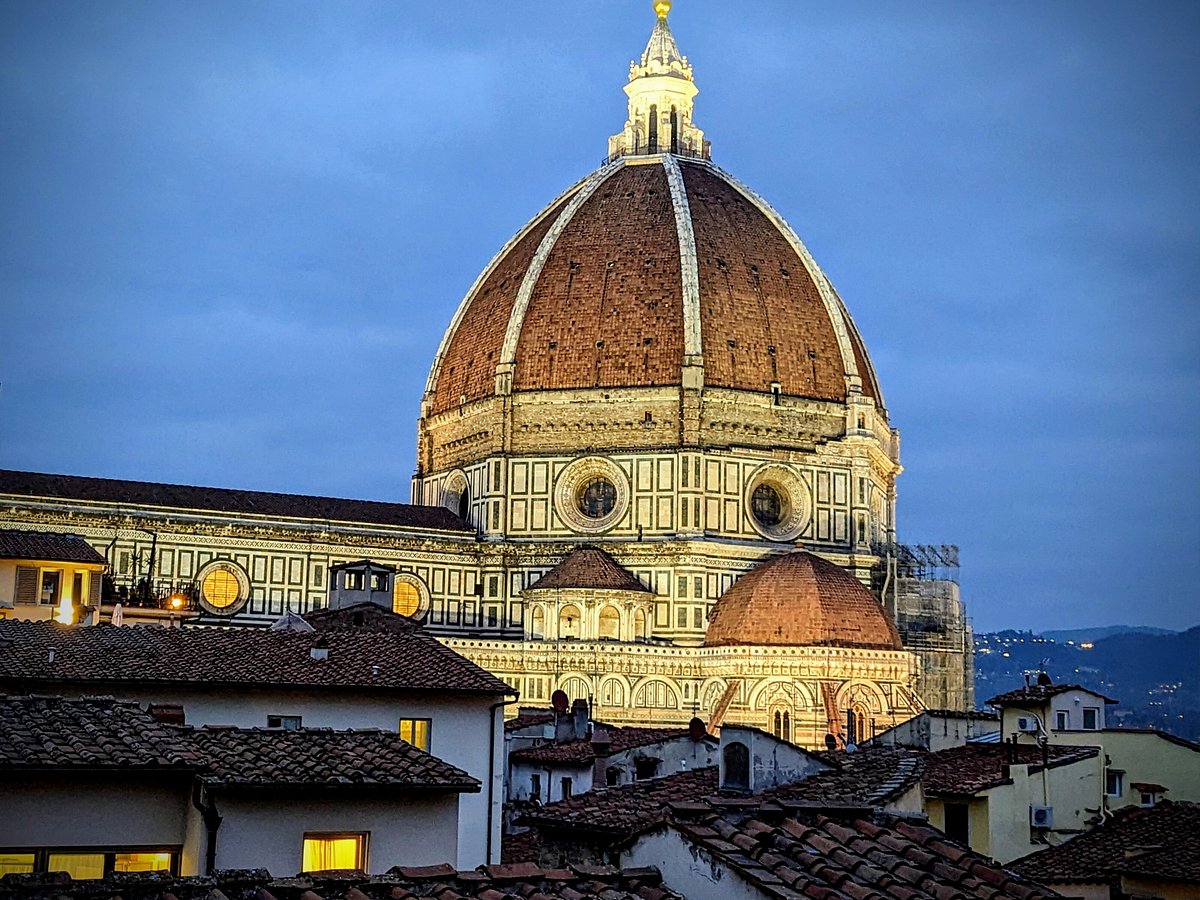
(800, 600)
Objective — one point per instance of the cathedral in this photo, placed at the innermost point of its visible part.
(655, 470)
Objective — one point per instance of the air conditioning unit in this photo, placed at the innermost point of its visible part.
(1028, 724)
(1041, 816)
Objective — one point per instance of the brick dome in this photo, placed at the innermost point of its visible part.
(800, 600)
(651, 265)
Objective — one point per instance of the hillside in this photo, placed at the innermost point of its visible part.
(1156, 677)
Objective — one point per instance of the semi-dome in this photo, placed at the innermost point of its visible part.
(800, 600)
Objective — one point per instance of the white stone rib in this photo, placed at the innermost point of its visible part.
(508, 352)
(833, 305)
(436, 369)
(866, 355)
(689, 269)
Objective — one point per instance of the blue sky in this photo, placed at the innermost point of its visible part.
(234, 232)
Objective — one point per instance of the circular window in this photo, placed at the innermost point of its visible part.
(591, 494)
(597, 498)
(224, 588)
(408, 596)
(778, 502)
(766, 505)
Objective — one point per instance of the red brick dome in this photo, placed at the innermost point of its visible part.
(800, 600)
(650, 264)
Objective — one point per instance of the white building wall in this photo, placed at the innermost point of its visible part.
(687, 869)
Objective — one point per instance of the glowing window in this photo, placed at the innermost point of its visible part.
(766, 505)
(142, 862)
(326, 851)
(416, 732)
(597, 498)
(78, 865)
(19, 863)
(406, 599)
(220, 588)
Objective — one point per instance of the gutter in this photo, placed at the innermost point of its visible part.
(212, 821)
(491, 791)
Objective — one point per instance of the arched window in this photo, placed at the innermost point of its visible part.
(569, 622)
(736, 759)
(653, 147)
(674, 131)
(610, 623)
(639, 625)
(612, 693)
(537, 623)
(464, 504)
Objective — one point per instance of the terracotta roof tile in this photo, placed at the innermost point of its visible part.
(868, 776)
(971, 768)
(590, 567)
(237, 502)
(47, 545)
(1037, 694)
(1161, 841)
(145, 654)
(581, 752)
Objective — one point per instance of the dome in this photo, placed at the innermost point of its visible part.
(653, 266)
(800, 600)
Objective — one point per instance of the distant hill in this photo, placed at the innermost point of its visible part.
(1154, 676)
(1094, 634)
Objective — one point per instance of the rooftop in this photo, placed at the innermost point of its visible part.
(582, 753)
(51, 546)
(593, 568)
(1039, 693)
(967, 770)
(1161, 842)
(107, 655)
(869, 776)
(263, 504)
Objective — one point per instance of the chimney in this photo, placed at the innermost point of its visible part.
(579, 719)
(319, 649)
(167, 713)
(601, 745)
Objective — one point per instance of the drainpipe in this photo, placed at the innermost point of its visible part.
(491, 791)
(212, 821)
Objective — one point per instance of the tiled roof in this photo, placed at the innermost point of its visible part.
(362, 615)
(442, 882)
(106, 655)
(1161, 841)
(47, 545)
(868, 776)
(590, 567)
(1037, 694)
(581, 752)
(318, 756)
(242, 503)
(967, 770)
(528, 717)
(627, 810)
(103, 733)
(813, 855)
(800, 600)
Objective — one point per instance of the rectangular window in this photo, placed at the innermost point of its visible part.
(324, 851)
(16, 863)
(1091, 718)
(535, 787)
(379, 582)
(352, 581)
(698, 618)
(495, 515)
(493, 585)
(681, 617)
(90, 864)
(957, 828)
(318, 575)
(1114, 782)
(51, 584)
(493, 616)
(566, 788)
(287, 723)
(416, 732)
(683, 474)
(77, 865)
(142, 862)
(683, 586)
(699, 585)
(1062, 720)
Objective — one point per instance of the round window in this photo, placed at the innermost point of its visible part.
(405, 599)
(597, 498)
(767, 505)
(224, 588)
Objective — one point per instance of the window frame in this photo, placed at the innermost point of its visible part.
(1094, 711)
(413, 722)
(41, 855)
(285, 722)
(1116, 776)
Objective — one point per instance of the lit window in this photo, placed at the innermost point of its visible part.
(287, 723)
(50, 585)
(1114, 782)
(220, 588)
(78, 865)
(17, 863)
(416, 732)
(352, 581)
(142, 862)
(1091, 718)
(325, 851)
(379, 581)
(406, 599)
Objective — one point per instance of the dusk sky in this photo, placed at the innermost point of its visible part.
(234, 232)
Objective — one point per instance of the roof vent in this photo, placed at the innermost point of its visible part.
(319, 649)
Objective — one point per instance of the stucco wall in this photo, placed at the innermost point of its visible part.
(1072, 790)
(1144, 756)
(269, 832)
(686, 869)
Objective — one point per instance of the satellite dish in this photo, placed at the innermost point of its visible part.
(696, 729)
(560, 701)
(830, 742)
(1044, 680)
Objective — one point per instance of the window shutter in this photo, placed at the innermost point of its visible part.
(27, 577)
(96, 589)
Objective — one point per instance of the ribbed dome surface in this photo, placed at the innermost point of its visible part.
(638, 268)
(800, 600)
